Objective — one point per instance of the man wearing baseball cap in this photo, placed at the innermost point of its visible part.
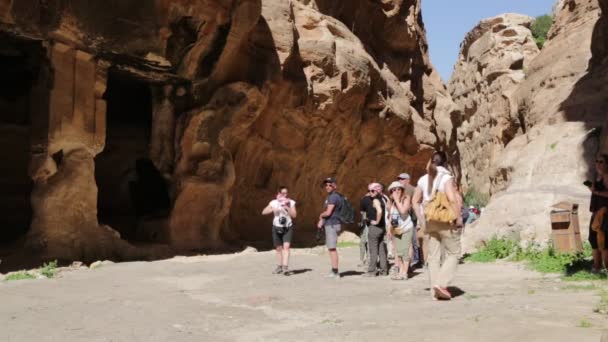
(330, 221)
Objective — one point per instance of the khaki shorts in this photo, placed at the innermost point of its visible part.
(403, 243)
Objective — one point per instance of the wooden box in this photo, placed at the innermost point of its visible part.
(565, 228)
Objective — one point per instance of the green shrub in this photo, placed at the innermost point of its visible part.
(49, 269)
(547, 260)
(19, 276)
(346, 244)
(495, 248)
(540, 29)
(476, 198)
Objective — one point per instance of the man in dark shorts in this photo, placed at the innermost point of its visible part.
(330, 221)
(284, 210)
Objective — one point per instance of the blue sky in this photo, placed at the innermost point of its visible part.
(448, 21)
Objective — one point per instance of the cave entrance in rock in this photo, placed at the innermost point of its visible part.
(20, 70)
(132, 195)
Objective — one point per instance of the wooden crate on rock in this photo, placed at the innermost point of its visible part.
(565, 228)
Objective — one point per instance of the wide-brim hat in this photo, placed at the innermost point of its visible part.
(395, 185)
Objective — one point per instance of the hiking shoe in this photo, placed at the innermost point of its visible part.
(278, 270)
(441, 293)
(398, 277)
(333, 275)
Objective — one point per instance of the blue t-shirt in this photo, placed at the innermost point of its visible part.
(336, 200)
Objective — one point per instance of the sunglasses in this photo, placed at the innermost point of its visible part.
(373, 191)
(599, 161)
(397, 189)
(328, 184)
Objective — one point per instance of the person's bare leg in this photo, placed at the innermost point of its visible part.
(286, 246)
(279, 255)
(597, 260)
(604, 253)
(333, 257)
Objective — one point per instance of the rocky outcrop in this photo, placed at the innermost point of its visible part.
(493, 61)
(243, 95)
(559, 106)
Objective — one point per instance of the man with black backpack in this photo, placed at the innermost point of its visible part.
(330, 220)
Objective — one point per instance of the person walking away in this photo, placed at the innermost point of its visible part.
(366, 208)
(377, 232)
(598, 227)
(443, 238)
(284, 210)
(330, 221)
(402, 228)
(415, 251)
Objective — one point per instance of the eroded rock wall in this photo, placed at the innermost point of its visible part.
(546, 162)
(330, 105)
(493, 61)
(260, 93)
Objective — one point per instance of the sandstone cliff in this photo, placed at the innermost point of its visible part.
(493, 61)
(557, 108)
(228, 99)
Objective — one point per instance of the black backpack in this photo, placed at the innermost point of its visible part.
(346, 213)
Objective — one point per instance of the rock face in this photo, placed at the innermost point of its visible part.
(227, 99)
(492, 63)
(558, 105)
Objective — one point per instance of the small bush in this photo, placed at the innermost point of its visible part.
(602, 306)
(19, 276)
(496, 248)
(476, 198)
(540, 29)
(49, 270)
(347, 244)
(546, 260)
(584, 323)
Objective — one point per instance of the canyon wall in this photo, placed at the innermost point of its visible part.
(555, 112)
(228, 99)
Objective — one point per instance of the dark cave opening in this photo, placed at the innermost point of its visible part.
(133, 196)
(19, 71)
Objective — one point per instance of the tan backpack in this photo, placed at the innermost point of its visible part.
(439, 208)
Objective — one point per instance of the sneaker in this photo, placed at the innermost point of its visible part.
(278, 270)
(398, 277)
(286, 270)
(369, 274)
(333, 274)
(394, 270)
(441, 293)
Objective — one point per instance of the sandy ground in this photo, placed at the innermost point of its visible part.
(236, 298)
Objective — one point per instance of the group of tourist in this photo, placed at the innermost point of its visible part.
(391, 222)
(397, 222)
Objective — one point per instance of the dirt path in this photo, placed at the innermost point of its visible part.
(236, 298)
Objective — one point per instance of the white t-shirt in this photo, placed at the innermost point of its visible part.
(274, 204)
(443, 176)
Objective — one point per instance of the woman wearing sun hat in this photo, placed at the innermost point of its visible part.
(402, 228)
